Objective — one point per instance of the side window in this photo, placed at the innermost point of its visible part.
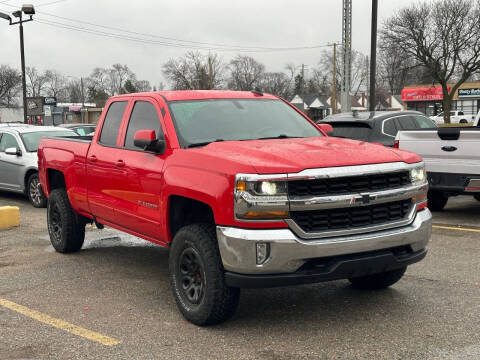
(406, 123)
(144, 117)
(7, 141)
(389, 127)
(424, 122)
(111, 124)
(460, 113)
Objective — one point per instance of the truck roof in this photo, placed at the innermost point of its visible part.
(179, 95)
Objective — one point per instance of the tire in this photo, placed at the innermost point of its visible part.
(378, 281)
(436, 200)
(65, 227)
(34, 192)
(463, 121)
(477, 197)
(197, 277)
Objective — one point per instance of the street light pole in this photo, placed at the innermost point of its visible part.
(24, 83)
(373, 56)
(30, 11)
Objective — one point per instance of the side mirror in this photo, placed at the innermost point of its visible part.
(13, 151)
(147, 140)
(326, 128)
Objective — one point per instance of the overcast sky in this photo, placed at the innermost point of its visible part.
(248, 23)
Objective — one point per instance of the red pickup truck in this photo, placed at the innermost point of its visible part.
(244, 189)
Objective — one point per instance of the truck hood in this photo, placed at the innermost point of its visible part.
(294, 155)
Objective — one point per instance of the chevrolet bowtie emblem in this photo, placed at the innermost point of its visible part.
(362, 199)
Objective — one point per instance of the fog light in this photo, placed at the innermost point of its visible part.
(263, 251)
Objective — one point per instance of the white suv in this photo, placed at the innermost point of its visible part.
(456, 117)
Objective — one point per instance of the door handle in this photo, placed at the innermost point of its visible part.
(449, 148)
(92, 158)
(120, 163)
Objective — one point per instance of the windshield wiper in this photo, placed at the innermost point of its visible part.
(204, 143)
(281, 136)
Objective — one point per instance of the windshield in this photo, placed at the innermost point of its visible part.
(31, 139)
(351, 130)
(200, 122)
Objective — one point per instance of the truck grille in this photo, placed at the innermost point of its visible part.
(345, 185)
(352, 217)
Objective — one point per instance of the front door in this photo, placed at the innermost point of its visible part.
(138, 201)
(10, 165)
(104, 172)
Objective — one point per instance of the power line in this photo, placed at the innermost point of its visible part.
(206, 45)
(164, 43)
(50, 3)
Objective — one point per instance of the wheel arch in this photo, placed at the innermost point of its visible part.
(182, 210)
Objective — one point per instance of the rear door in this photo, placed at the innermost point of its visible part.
(138, 209)
(104, 172)
(10, 165)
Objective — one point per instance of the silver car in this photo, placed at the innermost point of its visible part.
(18, 159)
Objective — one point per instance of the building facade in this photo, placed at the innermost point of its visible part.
(428, 98)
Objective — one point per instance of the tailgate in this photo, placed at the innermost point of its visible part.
(446, 150)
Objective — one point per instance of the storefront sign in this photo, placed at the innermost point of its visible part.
(35, 106)
(422, 94)
(51, 100)
(469, 93)
(47, 110)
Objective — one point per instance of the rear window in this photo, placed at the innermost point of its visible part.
(351, 130)
(32, 139)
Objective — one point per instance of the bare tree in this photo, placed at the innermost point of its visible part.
(444, 37)
(195, 71)
(118, 74)
(10, 85)
(245, 73)
(276, 83)
(55, 85)
(36, 82)
(142, 85)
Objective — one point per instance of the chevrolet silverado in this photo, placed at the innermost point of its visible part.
(244, 189)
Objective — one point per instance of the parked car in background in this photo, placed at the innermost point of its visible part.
(18, 159)
(477, 119)
(456, 117)
(377, 126)
(80, 129)
(452, 161)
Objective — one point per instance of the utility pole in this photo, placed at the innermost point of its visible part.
(373, 56)
(30, 11)
(210, 73)
(302, 84)
(24, 82)
(333, 99)
(83, 99)
(347, 55)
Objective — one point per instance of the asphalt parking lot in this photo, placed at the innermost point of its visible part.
(112, 300)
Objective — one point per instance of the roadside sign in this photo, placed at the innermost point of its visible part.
(47, 110)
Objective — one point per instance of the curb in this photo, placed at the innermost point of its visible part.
(9, 217)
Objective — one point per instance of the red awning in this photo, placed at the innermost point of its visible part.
(422, 94)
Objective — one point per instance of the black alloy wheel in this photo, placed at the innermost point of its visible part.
(191, 273)
(55, 223)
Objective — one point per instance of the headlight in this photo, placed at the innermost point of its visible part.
(417, 175)
(259, 199)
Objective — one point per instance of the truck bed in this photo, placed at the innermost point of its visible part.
(67, 155)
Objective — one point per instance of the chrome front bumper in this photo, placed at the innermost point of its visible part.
(289, 252)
